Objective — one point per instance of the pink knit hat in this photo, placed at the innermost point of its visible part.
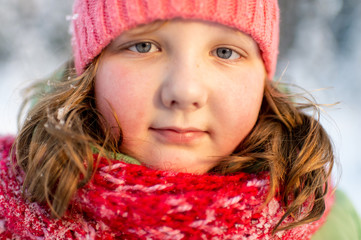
(97, 22)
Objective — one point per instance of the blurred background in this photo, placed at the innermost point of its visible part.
(319, 50)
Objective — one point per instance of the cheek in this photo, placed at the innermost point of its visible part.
(240, 108)
(248, 102)
(116, 90)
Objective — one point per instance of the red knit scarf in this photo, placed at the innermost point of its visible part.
(126, 201)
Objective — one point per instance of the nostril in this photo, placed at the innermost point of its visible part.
(189, 96)
(196, 104)
(173, 102)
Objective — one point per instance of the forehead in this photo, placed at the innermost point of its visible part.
(210, 28)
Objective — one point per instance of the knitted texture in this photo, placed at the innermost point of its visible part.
(97, 22)
(127, 201)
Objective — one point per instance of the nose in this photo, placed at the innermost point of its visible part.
(184, 88)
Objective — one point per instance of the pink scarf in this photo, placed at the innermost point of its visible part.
(127, 201)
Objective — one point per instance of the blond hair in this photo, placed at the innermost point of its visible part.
(56, 144)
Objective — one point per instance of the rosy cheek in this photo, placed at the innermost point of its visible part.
(107, 88)
(122, 91)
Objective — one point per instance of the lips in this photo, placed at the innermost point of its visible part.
(175, 135)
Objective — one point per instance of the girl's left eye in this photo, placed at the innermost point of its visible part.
(143, 47)
(226, 53)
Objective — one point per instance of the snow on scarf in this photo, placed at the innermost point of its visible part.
(127, 201)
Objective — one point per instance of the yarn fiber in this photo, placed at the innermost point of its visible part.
(128, 201)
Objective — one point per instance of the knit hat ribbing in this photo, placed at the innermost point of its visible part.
(97, 22)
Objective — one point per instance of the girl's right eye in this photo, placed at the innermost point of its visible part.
(144, 47)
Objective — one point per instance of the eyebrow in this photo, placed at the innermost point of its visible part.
(242, 34)
(156, 25)
(243, 37)
(232, 30)
(147, 28)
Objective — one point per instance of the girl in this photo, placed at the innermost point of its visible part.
(167, 125)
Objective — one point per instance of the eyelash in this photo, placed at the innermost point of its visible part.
(134, 48)
(215, 52)
(223, 49)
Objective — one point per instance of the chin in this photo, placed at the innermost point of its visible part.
(176, 167)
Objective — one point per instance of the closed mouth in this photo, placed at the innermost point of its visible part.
(176, 135)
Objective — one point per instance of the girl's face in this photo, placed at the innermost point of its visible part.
(185, 93)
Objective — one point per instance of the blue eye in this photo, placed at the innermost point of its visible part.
(143, 47)
(227, 53)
